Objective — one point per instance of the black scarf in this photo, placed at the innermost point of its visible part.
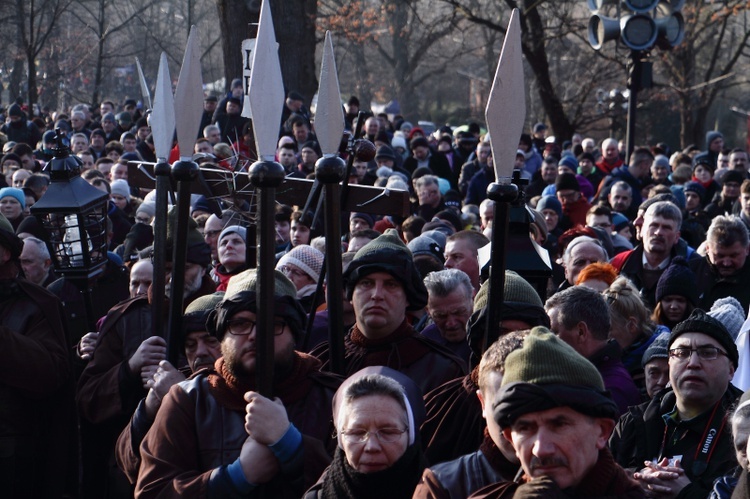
(398, 481)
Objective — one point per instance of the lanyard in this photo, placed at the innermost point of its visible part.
(710, 438)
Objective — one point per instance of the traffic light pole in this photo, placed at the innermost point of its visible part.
(634, 85)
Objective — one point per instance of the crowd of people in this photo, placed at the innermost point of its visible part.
(622, 375)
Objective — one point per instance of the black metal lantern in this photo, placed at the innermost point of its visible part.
(74, 216)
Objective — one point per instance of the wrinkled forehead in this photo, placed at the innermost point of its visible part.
(694, 340)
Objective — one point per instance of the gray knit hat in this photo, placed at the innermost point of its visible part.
(423, 245)
(198, 311)
(729, 312)
(657, 349)
(388, 253)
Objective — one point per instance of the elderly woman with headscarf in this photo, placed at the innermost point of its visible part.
(377, 413)
(232, 255)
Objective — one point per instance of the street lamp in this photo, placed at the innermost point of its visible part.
(639, 25)
(74, 215)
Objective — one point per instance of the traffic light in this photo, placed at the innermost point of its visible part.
(638, 23)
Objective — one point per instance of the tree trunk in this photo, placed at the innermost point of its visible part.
(398, 20)
(294, 22)
(294, 25)
(16, 77)
(234, 23)
(533, 35)
(98, 75)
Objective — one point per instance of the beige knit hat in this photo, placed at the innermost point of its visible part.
(248, 281)
(307, 258)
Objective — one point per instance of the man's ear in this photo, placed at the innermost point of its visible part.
(606, 426)
(481, 398)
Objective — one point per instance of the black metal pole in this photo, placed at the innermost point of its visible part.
(162, 171)
(634, 83)
(330, 171)
(184, 172)
(265, 176)
(503, 195)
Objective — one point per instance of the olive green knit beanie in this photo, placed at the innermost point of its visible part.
(517, 290)
(545, 359)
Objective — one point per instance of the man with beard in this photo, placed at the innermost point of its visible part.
(201, 351)
(215, 436)
(725, 270)
(111, 385)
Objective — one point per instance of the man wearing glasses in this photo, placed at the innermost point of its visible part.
(215, 436)
(679, 443)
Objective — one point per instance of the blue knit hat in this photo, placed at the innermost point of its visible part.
(549, 203)
(15, 193)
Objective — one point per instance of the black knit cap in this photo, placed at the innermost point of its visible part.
(678, 280)
(734, 176)
(389, 254)
(566, 181)
(700, 322)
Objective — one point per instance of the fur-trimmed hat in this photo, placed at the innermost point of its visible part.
(387, 253)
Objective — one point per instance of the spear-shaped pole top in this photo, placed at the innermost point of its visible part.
(506, 107)
(329, 114)
(266, 90)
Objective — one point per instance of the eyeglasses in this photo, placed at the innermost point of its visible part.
(704, 353)
(441, 316)
(244, 327)
(211, 233)
(289, 271)
(388, 435)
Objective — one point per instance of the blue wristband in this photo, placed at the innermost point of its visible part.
(288, 445)
(238, 477)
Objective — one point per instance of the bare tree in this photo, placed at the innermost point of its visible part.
(36, 21)
(404, 37)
